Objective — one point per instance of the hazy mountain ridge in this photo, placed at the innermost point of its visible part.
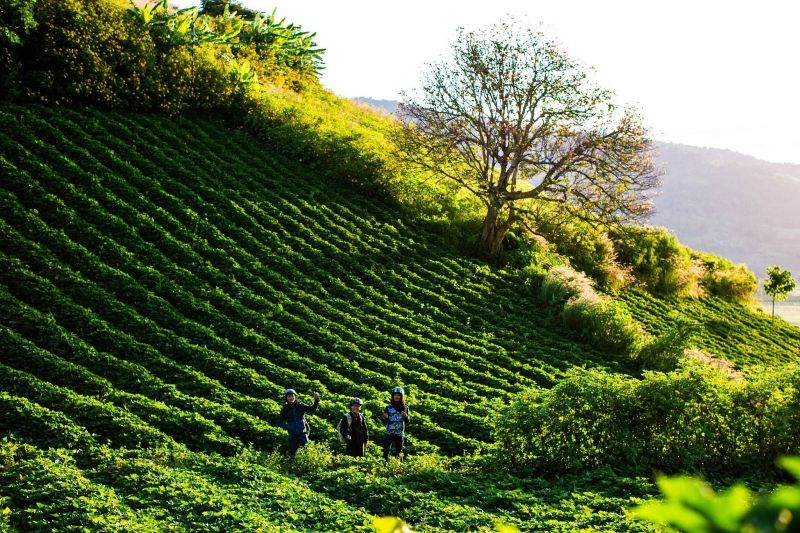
(731, 204)
(722, 201)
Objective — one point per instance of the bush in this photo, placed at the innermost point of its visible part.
(603, 322)
(691, 419)
(606, 324)
(84, 52)
(734, 283)
(562, 283)
(312, 459)
(666, 351)
(16, 22)
(589, 249)
(659, 261)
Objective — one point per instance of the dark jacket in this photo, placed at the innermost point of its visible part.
(357, 432)
(292, 417)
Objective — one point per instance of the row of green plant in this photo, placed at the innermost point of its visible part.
(100, 270)
(105, 489)
(137, 265)
(725, 330)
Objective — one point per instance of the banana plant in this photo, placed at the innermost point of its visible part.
(185, 26)
(147, 15)
(241, 72)
(290, 46)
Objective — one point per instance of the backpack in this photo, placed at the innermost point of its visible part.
(342, 439)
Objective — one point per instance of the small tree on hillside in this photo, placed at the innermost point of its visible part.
(510, 117)
(778, 285)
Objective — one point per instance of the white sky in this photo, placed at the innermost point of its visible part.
(702, 72)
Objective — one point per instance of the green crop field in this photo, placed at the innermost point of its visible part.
(163, 280)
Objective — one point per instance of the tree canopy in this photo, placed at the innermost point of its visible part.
(509, 116)
(778, 285)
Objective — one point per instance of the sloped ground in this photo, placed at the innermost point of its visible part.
(163, 280)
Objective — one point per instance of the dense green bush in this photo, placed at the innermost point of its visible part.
(596, 318)
(734, 283)
(658, 261)
(666, 351)
(604, 323)
(96, 52)
(692, 419)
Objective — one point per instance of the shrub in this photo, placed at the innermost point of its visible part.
(84, 52)
(659, 261)
(313, 459)
(589, 249)
(16, 22)
(734, 283)
(605, 323)
(692, 419)
(562, 283)
(665, 352)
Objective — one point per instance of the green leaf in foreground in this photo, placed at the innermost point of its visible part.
(691, 505)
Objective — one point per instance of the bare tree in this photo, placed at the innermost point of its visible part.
(510, 117)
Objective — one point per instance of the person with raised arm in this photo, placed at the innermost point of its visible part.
(293, 419)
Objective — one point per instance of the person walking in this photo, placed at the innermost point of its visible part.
(353, 430)
(395, 416)
(293, 419)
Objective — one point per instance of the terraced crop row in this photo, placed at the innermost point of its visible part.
(726, 330)
(217, 277)
(162, 281)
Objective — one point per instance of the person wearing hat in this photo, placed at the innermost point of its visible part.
(293, 419)
(395, 416)
(353, 430)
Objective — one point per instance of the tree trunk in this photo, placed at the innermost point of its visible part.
(493, 232)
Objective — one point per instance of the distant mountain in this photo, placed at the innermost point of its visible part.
(387, 105)
(732, 204)
(723, 202)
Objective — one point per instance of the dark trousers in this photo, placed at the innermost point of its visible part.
(355, 449)
(296, 440)
(388, 440)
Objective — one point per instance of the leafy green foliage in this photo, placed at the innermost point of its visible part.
(725, 330)
(149, 57)
(730, 282)
(284, 44)
(159, 295)
(666, 351)
(598, 319)
(16, 21)
(778, 285)
(692, 419)
(658, 261)
(690, 505)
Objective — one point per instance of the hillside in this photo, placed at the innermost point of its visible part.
(160, 295)
(163, 280)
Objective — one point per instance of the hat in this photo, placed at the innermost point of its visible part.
(355, 401)
(398, 390)
(287, 392)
